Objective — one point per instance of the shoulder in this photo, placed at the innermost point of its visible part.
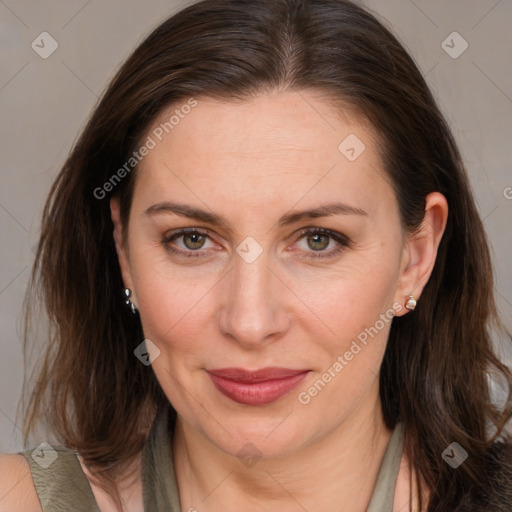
(17, 490)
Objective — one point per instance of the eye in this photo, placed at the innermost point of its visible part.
(314, 243)
(192, 240)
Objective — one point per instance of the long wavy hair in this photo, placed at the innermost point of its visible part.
(92, 392)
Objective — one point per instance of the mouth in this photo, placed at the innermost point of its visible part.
(256, 387)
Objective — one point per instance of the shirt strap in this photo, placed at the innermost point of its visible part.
(60, 482)
(384, 491)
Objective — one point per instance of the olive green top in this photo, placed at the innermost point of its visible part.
(62, 486)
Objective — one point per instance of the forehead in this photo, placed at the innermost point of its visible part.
(282, 145)
(270, 122)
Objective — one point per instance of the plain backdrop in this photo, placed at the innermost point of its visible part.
(45, 101)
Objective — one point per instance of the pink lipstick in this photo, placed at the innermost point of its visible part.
(256, 387)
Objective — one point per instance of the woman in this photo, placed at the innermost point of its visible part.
(267, 282)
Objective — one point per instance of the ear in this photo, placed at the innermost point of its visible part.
(420, 251)
(121, 243)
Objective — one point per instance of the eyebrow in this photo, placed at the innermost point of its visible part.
(191, 212)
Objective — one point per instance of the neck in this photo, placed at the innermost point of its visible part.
(336, 472)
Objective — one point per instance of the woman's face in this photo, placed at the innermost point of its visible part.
(255, 284)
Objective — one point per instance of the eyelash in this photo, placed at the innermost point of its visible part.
(342, 240)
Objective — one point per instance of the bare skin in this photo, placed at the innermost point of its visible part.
(251, 163)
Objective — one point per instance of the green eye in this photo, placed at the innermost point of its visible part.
(193, 240)
(318, 241)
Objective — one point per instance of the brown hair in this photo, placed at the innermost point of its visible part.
(91, 389)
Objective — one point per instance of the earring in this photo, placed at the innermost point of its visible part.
(411, 303)
(128, 293)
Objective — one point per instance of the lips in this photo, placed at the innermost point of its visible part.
(256, 387)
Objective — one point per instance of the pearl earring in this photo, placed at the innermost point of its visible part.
(411, 303)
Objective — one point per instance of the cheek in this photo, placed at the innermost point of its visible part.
(356, 316)
(354, 297)
(174, 310)
(175, 304)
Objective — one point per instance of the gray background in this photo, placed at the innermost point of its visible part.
(44, 103)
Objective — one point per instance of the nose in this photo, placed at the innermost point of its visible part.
(253, 311)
